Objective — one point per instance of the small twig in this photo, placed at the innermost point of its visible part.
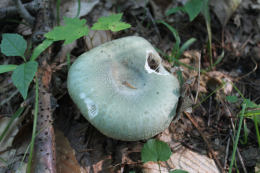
(197, 93)
(240, 159)
(12, 10)
(227, 151)
(149, 15)
(210, 115)
(9, 98)
(23, 12)
(256, 66)
(128, 85)
(194, 122)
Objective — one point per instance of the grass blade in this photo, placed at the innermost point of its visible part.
(78, 10)
(187, 44)
(15, 115)
(237, 138)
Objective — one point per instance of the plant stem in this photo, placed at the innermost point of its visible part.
(159, 166)
(34, 125)
(257, 130)
(237, 138)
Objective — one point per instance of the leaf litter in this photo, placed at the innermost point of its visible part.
(97, 153)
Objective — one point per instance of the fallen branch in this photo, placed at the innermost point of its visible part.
(23, 12)
(12, 11)
(44, 160)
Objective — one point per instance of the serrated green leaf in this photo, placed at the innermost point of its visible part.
(13, 45)
(111, 22)
(155, 150)
(232, 99)
(110, 19)
(118, 26)
(179, 171)
(23, 75)
(40, 48)
(7, 68)
(73, 29)
(193, 8)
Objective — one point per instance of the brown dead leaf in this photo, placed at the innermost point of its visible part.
(66, 160)
(190, 161)
(153, 167)
(96, 38)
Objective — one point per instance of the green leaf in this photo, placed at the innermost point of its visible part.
(249, 104)
(174, 32)
(155, 150)
(118, 26)
(174, 10)
(246, 133)
(23, 75)
(40, 48)
(71, 31)
(193, 8)
(232, 99)
(13, 45)
(7, 68)
(111, 22)
(186, 45)
(179, 171)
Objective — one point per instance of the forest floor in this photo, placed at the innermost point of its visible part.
(206, 122)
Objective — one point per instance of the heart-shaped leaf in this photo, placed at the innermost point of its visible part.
(13, 45)
(155, 150)
(23, 75)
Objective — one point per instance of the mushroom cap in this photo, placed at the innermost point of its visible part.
(123, 90)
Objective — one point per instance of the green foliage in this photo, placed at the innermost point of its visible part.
(193, 8)
(71, 31)
(177, 49)
(178, 171)
(111, 22)
(232, 99)
(7, 68)
(36, 106)
(23, 75)
(250, 104)
(155, 150)
(40, 48)
(13, 45)
(237, 138)
(249, 110)
(74, 28)
(174, 10)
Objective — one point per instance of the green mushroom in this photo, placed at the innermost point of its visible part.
(123, 90)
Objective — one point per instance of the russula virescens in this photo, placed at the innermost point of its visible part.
(123, 90)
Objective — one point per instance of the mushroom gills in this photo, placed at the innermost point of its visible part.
(153, 64)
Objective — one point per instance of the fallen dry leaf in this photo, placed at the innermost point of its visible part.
(66, 160)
